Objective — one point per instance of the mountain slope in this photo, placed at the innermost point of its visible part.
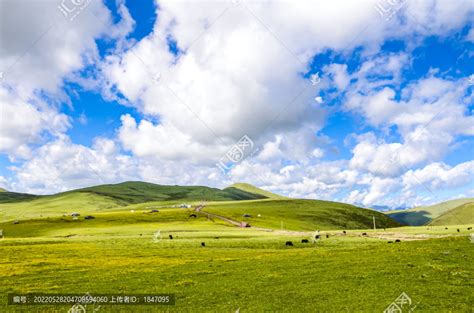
(109, 197)
(423, 215)
(11, 197)
(248, 188)
(139, 192)
(297, 214)
(463, 214)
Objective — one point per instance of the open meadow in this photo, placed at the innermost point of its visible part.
(239, 269)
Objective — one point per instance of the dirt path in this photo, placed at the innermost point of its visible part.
(238, 224)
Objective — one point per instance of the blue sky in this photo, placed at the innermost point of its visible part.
(389, 123)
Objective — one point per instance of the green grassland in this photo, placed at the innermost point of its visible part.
(250, 269)
(243, 268)
(254, 190)
(425, 214)
(461, 214)
(301, 214)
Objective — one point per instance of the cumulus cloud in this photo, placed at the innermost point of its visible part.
(241, 70)
(62, 165)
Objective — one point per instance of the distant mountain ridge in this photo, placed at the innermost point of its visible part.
(423, 215)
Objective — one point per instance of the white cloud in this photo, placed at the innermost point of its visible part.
(61, 165)
(24, 122)
(239, 74)
(439, 175)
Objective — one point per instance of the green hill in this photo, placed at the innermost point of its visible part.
(297, 214)
(107, 197)
(463, 214)
(3, 190)
(11, 197)
(247, 188)
(425, 214)
(139, 192)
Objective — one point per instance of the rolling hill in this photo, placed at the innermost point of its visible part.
(425, 214)
(298, 214)
(107, 197)
(239, 187)
(463, 214)
(11, 197)
(139, 192)
(231, 202)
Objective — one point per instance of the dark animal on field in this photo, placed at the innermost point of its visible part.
(445, 228)
(171, 236)
(390, 242)
(216, 237)
(141, 234)
(89, 217)
(304, 240)
(458, 230)
(16, 222)
(469, 228)
(344, 232)
(398, 240)
(289, 243)
(327, 236)
(247, 215)
(203, 244)
(154, 211)
(364, 234)
(317, 237)
(193, 215)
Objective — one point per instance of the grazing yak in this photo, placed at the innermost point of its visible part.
(469, 228)
(171, 236)
(364, 234)
(304, 241)
(327, 235)
(193, 215)
(203, 244)
(398, 240)
(344, 232)
(289, 243)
